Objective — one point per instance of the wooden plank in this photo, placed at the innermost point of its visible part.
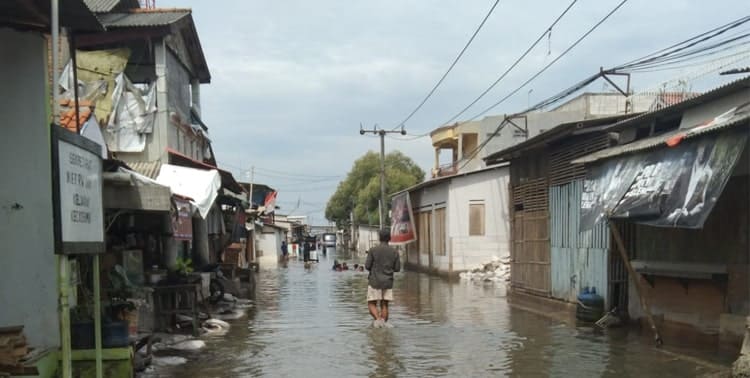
(11, 330)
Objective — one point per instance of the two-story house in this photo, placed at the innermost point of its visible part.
(153, 65)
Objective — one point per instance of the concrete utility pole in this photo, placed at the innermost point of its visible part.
(381, 132)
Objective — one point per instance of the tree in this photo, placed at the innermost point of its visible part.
(360, 191)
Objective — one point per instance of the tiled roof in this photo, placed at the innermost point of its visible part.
(143, 18)
(68, 114)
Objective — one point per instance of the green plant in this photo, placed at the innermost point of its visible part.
(184, 266)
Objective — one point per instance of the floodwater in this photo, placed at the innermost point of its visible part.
(313, 322)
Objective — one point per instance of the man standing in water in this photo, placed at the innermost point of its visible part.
(382, 261)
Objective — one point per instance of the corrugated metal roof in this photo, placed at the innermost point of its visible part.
(73, 14)
(438, 180)
(104, 6)
(713, 94)
(101, 6)
(149, 169)
(157, 17)
(740, 117)
(556, 133)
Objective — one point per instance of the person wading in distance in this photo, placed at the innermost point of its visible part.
(382, 261)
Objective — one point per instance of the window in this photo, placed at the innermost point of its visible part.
(476, 219)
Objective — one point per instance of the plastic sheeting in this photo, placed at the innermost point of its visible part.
(133, 118)
(668, 187)
(201, 186)
(102, 66)
(93, 132)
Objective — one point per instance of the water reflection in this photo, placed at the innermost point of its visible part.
(310, 321)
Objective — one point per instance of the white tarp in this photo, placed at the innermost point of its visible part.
(93, 132)
(200, 185)
(133, 117)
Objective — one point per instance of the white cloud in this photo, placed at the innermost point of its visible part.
(292, 80)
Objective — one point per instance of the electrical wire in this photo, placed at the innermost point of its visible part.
(512, 66)
(677, 53)
(458, 57)
(693, 55)
(684, 44)
(279, 174)
(499, 127)
(579, 40)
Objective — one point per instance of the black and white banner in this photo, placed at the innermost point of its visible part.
(669, 187)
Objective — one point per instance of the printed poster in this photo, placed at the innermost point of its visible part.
(403, 230)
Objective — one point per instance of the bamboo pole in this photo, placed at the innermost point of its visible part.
(636, 281)
(97, 318)
(64, 287)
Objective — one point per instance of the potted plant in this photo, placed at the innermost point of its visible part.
(184, 271)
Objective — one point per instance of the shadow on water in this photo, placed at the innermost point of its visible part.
(310, 321)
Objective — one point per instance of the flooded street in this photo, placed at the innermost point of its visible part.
(314, 323)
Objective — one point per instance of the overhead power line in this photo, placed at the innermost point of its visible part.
(546, 32)
(684, 44)
(676, 53)
(499, 127)
(458, 57)
(579, 40)
(279, 174)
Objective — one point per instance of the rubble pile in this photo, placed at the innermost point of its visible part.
(497, 270)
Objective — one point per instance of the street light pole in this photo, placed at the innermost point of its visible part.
(382, 133)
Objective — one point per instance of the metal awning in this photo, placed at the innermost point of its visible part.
(128, 190)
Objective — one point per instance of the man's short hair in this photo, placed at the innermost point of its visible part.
(385, 235)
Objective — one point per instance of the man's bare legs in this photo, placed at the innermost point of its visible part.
(384, 310)
(373, 307)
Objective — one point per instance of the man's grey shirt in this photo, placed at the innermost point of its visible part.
(382, 261)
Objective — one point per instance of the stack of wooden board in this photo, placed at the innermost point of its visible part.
(13, 347)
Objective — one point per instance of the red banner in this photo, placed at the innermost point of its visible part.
(270, 202)
(402, 220)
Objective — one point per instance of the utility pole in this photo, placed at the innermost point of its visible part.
(381, 132)
(250, 201)
(252, 178)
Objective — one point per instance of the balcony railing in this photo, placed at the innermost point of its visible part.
(445, 170)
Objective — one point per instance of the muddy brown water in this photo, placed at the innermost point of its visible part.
(313, 322)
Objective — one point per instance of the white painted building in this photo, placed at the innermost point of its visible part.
(461, 221)
(367, 237)
(268, 245)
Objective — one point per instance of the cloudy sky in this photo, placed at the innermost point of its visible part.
(293, 80)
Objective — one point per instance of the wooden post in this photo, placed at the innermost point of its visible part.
(636, 281)
(97, 318)
(63, 268)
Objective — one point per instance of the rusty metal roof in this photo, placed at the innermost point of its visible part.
(740, 117)
(556, 133)
(731, 87)
(167, 21)
(143, 18)
(149, 169)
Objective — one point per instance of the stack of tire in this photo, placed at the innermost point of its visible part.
(590, 307)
